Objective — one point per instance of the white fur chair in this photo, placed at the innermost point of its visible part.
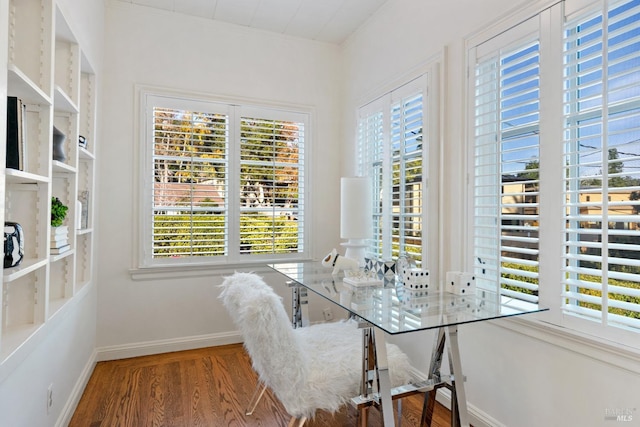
(309, 368)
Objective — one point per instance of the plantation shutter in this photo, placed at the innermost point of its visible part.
(271, 185)
(190, 182)
(390, 151)
(506, 82)
(406, 128)
(223, 183)
(602, 157)
(371, 153)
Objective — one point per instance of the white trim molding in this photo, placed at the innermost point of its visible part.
(608, 352)
(147, 348)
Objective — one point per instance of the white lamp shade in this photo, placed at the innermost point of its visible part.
(355, 208)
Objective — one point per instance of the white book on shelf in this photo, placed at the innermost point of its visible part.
(61, 230)
(60, 250)
(58, 243)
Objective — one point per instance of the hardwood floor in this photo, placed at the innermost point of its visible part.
(204, 387)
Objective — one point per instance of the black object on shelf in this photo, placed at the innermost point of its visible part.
(15, 133)
(58, 145)
(13, 244)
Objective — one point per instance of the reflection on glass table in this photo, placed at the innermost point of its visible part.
(385, 307)
(394, 309)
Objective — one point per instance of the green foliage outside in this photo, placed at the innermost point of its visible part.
(520, 278)
(261, 234)
(584, 278)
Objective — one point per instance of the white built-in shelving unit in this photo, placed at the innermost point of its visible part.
(48, 71)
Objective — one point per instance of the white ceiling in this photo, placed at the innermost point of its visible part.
(323, 20)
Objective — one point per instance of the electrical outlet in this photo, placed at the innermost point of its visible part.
(328, 315)
(49, 397)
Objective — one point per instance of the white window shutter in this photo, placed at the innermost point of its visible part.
(602, 157)
(506, 154)
(391, 152)
(223, 183)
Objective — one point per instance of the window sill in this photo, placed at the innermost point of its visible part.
(189, 271)
(609, 352)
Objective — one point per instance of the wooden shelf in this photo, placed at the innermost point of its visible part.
(63, 102)
(56, 305)
(83, 231)
(14, 176)
(28, 265)
(85, 154)
(60, 167)
(13, 337)
(57, 257)
(53, 77)
(21, 86)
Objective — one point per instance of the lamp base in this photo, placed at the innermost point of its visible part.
(355, 249)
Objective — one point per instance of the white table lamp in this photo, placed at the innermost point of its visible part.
(356, 223)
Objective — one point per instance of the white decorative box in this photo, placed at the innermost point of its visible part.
(379, 267)
(415, 279)
(460, 283)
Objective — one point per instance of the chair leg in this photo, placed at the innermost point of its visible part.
(363, 417)
(257, 395)
(300, 423)
(399, 421)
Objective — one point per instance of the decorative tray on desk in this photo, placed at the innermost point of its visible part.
(362, 278)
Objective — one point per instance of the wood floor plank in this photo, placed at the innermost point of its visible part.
(205, 387)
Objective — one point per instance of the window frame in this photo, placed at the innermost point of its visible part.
(145, 265)
(492, 55)
(554, 322)
(428, 81)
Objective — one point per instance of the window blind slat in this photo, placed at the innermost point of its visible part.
(192, 177)
(601, 150)
(506, 167)
(390, 151)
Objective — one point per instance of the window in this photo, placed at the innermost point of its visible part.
(506, 156)
(391, 151)
(602, 157)
(555, 143)
(223, 183)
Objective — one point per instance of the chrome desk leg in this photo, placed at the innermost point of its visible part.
(434, 374)
(384, 380)
(458, 395)
(368, 371)
(300, 305)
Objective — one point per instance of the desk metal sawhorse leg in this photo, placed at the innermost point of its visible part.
(375, 378)
(447, 336)
(299, 318)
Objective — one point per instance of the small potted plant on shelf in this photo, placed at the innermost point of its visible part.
(58, 212)
(59, 238)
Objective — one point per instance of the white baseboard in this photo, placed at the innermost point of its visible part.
(477, 418)
(133, 350)
(72, 403)
(166, 346)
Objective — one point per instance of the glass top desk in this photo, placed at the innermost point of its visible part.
(389, 308)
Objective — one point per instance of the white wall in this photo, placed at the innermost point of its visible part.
(63, 352)
(513, 378)
(151, 47)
